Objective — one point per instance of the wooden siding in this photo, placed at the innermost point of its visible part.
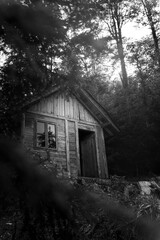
(61, 106)
(72, 148)
(57, 157)
(29, 132)
(69, 115)
(66, 157)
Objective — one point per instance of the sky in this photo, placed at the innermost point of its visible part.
(133, 31)
(2, 59)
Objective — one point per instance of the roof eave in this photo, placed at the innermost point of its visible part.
(108, 125)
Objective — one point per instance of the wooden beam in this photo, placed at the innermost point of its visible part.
(97, 105)
(77, 148)
(97, 151)
(36, 99)
(86, 126)
(104, 154)
(60, 117)
(67, 148)
(89, 110)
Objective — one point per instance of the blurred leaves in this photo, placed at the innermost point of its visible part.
(36, 205)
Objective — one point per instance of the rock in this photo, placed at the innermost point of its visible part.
(145, 187)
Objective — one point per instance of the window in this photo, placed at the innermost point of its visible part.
(46, 135)
(40, 134)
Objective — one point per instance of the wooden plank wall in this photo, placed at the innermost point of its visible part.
(61, 106)
(72, 148)
(68, 114)
(58, 157)
(28, 132)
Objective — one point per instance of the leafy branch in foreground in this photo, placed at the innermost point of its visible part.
(49, 206)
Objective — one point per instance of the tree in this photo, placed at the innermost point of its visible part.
(149, 7)
(34, 36)
(115, 14)
(27, 30)
(148, 10)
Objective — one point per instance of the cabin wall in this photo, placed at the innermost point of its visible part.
(69, 115)
(61, 106)
(56, 157)
(72, 148)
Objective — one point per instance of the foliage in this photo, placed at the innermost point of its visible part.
(34, 38)
(36, 205)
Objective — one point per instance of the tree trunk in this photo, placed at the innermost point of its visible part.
(148, 12)
(142, 82)
(144, 94)
(124, 78)
(115, 30)
(122, 61)
(117, 34)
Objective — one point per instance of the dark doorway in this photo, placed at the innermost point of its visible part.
(88, 157)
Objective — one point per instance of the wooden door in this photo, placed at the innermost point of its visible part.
(88, 157)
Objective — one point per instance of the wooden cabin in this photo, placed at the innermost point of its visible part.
(71, 129)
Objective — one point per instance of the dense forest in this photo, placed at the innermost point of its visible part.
(71, 43)
(82, 43)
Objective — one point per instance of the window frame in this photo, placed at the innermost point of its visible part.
(46, 134)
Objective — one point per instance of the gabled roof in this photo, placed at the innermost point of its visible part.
(97, 111)
(90, 103)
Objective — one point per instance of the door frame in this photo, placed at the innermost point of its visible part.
(91, 128)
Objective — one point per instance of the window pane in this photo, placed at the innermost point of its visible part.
(40, 127)
(51, 136)
(40, 134)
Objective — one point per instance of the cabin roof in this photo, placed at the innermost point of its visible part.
(89, 102)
